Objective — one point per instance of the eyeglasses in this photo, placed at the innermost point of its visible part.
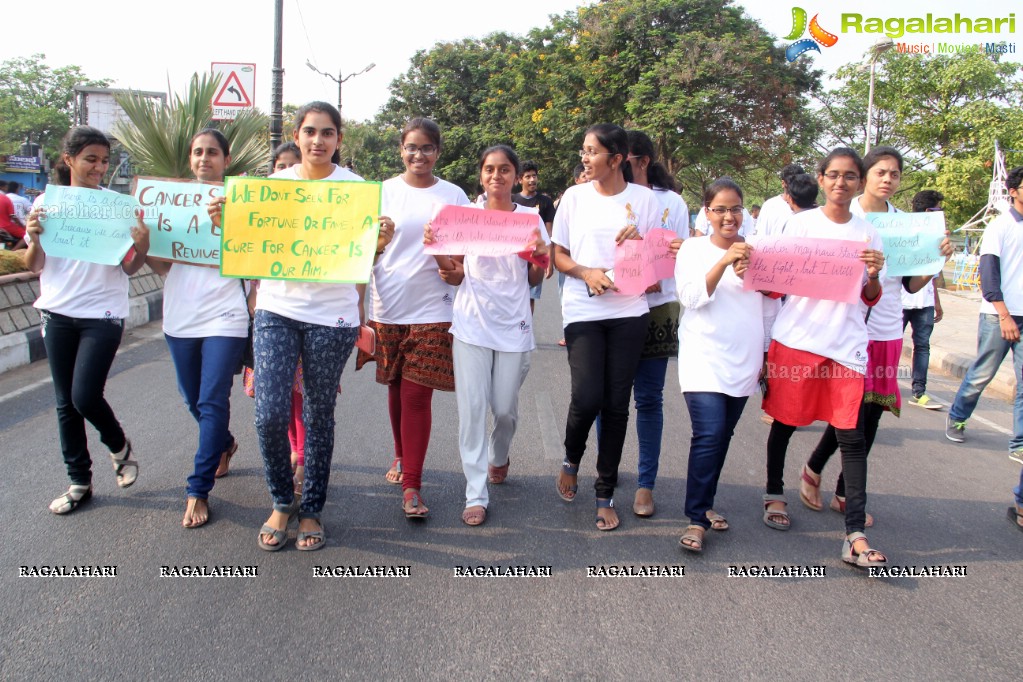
(426, 149)
(721, 210)
(848, 177)
(584, 153)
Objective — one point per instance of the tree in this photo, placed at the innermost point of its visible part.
(159, 135)
(943, 113)
(373, 149)
(38, 101)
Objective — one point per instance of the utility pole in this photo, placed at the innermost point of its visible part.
(277, 88)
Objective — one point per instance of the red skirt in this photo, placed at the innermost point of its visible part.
(804, 387)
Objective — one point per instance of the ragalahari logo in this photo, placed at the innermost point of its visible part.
(817, 35)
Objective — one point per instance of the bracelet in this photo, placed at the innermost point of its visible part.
(874, 278)
(1003, 318)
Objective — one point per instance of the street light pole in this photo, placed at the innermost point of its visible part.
(277, 87)
(338, 79)
(882, 45)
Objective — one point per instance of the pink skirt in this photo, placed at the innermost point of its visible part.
(881, 385)
(804, 387)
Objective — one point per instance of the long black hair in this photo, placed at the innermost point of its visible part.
(640, 144)
(615, 140)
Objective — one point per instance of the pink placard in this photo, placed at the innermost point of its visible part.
(634, 266)
(462, 230)
(828, 269)
(659, 243)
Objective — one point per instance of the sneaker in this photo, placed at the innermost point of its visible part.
(1016, 455)
(955, 431)
(925, 401)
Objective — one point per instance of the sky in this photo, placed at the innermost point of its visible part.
(149, 49)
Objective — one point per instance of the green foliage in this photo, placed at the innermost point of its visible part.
(38, 101)
(943, 112)
(159, 135)
(373, 149)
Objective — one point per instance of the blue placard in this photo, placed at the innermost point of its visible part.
(177, 213)
(91, 225)
(912, 242)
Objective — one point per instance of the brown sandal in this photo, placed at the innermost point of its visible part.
(496, 475)
(225, 460)
(474, 516)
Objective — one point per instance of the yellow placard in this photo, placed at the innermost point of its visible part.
(302, 230)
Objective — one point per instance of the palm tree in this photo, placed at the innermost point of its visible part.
(159, 135)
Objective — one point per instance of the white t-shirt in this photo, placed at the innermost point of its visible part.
(703, 223)
(921, 299)
(75, 288)
(773, 215)
(22, 206)
(586, 224)
(405, 287)
(828, 328)
(329, 305)
(199, 303)
(675, 217)
(1003, 237)
(492, 302)
(885, 321)
(721, 346)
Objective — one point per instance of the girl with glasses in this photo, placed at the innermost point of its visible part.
(410, 309)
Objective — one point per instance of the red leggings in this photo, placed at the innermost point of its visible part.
(409, 405)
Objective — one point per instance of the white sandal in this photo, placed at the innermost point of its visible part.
(69, 501)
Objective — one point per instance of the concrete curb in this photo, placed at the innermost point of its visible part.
(26, 346)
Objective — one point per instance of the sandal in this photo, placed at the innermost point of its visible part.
(805, 498)
(394, 474)
(319, 535)
(224, 468)
(496, 475)
(71, 500)
(838, 504)
(567, 493)
(603, 523)
(1015, 517)
(281, 536)
(864, 559)
(474, 516)
(125, 468)
(418, 510)
(691, 541)
(779, 513)
(190, 513)
(717, 522)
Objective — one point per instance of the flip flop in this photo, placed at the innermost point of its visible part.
(696, 541)
(717, 522)
(803, 497)
(416, 511)
(224, 468)
(602, 523)
(568, 470)
(475, 515)
(190, 510)
(394, 474)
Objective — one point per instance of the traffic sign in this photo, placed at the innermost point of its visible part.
(236, 91)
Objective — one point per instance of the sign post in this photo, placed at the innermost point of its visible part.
(237, 89)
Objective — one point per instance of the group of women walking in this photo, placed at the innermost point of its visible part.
(463, 323)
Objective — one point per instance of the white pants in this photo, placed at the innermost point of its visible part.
(485, 378)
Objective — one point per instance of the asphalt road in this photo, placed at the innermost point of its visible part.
(936, 504)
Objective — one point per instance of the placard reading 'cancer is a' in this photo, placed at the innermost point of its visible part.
(303, 230)
(177, 213)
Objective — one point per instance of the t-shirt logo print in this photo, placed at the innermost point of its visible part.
(664, 219)
(447, 299)
(818, 35)
(631, 220)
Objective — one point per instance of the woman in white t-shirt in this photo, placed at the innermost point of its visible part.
(884, 332)
(314, 321)
(605, 330)
(722, 319)
(818, 356)
(206, 324)
(410, 309)
(661, 341)
(493, 337)
(82, 307)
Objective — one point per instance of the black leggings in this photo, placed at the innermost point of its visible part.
(80, 353)
(603, 356)
(854, 465)
(869, 419)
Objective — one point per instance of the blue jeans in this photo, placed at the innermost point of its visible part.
(991, 350)
(648, 390)
(278, 342)
(205, 368)
(922, 320)
(714, 416)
